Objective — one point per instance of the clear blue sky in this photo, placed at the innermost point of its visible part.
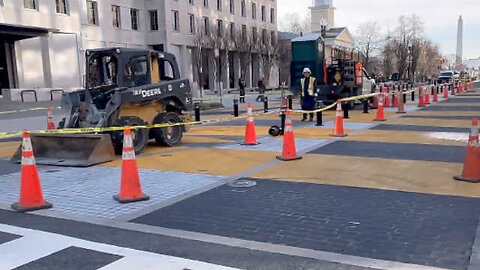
(440, 18)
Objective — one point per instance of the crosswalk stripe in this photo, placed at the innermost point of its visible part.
(27, 249)
(35, 245)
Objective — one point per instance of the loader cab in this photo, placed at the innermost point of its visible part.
(125, 67)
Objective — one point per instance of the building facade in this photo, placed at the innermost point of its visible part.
(42, 42)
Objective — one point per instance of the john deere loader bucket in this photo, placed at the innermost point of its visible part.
(71, 150)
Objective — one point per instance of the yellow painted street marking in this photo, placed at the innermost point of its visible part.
(404, 175)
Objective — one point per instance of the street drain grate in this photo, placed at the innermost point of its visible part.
(243, 183)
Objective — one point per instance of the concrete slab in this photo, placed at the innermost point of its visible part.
(442, 138)
(447, 117)
(378, 173)
(212, 161)
(420, 128)
(452, 108)
(396, 226)
(408, 108)
(408, 151)
(270, 144)
(462, 100)
(432, 122)
(456, 104)
(82, 192)
(348, 125)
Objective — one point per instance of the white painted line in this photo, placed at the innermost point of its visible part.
(37, 244)
(27, 249)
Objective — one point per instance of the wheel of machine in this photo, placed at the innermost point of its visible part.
(139, 136)
(274, 131)
(168, 136)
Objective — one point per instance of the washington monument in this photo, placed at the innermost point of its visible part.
(460, 42)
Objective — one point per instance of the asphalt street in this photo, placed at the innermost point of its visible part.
(382, 197)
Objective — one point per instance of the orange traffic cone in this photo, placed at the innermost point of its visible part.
(31, 197)
(427, 96)
(435, 94)
(421, 97)
(471, 165)
(338, 130)
(395, 99)
(289, 149)
(250, 136)
(445, 91)
(401, 105)
(50, 123)
(387, 98)
(130, 189)
(380, 112)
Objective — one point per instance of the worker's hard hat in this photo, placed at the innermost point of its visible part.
(307, 70)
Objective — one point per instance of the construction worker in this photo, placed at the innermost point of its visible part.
(261, 90)
(309, 89)
(241, 85)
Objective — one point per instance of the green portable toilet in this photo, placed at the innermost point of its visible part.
(307, 51)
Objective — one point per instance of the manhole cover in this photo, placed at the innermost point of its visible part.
(243, 183)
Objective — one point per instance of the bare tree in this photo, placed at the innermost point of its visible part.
(294, 22)
(244, 45)
(284, 60)
(269, 55)
(368, 40)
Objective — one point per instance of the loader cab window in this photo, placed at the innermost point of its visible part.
(167, 72)
(102, 71)
(136, 71)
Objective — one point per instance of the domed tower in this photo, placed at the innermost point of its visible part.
(322, 11)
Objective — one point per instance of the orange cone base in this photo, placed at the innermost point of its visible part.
(17, 207)
(339, 136)
(129, 200)
(255, 143)
(460, 178)
(289, 159)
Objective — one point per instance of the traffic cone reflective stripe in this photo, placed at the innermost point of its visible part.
(338, 129)
(380, 112)
(471, 165)
(31, 197)
(250, 135)
(50, 123)
(289, 151)
(130, 188)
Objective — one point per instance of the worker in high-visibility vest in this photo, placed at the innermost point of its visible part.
(309, 90)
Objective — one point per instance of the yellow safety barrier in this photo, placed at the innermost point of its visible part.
(226, 119)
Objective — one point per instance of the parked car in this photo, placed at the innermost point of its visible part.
(445, 77)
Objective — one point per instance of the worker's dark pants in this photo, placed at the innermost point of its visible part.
(305, 116)
(242, 96)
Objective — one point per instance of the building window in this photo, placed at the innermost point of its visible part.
(219, 28)
(191, 20)
(254, 11)
(206, 25)
(61, 6)
(92, 12)
(116, 17)
(134, 18)
(264, 36)
(273, 37)
(175, 21)
(272, 15)
(30, 4)
(205, 3)
(232, 6)
(254, 34)
(243, 8)
(244, 32)
(191, 2)
(219, 5)
(232, 30)
(264, 16)
(153, 20)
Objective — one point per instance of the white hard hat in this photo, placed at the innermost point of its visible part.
(307, 70)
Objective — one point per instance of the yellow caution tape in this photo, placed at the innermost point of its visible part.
(226, 119)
